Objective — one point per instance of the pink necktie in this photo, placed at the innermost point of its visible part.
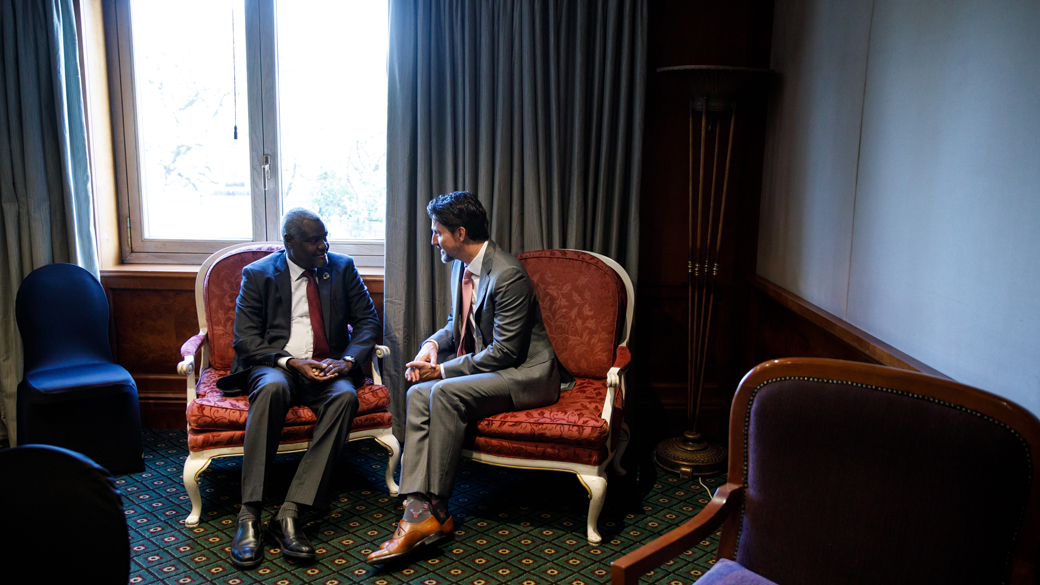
(467, 300)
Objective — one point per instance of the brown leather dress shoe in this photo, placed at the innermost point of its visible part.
(409, 537)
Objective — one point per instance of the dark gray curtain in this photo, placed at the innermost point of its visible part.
(537, 108)
(45, 201)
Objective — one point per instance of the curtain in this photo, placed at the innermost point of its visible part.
(536, 106)
(45, 200)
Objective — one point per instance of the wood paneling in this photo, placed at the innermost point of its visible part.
(152, 314)
(782, 324)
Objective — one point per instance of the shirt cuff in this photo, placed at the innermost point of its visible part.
(441, 366)
(284, 362)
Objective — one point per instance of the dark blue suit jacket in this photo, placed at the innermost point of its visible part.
(263, 316)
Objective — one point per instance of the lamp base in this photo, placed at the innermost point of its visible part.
(691, 455)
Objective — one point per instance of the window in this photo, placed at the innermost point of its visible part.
(228, 112)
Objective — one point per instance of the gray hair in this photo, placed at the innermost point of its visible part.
(292, 222)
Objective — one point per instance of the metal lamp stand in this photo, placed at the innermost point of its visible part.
(713, 93)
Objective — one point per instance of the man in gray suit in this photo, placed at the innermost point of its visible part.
(492, 356)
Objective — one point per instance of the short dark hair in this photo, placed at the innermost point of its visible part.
(460, 209)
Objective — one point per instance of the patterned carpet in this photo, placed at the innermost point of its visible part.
(513, 526)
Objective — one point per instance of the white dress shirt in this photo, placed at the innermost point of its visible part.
(301, 334)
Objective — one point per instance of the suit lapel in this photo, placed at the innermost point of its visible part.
(283, 280)
(485, 277)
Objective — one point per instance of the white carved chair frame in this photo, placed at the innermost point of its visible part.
(198, 461)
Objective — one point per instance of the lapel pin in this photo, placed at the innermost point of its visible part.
(325, 276)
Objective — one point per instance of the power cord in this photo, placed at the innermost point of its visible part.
(701, 481)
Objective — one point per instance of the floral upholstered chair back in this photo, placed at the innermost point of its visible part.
(223, 282)
(583, 305)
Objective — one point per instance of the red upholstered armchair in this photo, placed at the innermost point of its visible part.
(216, 423)
(587, 303)
(844, 472)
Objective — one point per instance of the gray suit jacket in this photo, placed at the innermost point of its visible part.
(510, 335)
(263, 316)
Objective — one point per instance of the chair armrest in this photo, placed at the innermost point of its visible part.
(187, 365)
(192, 345)
(624, 357)
(380, 352)
(628, 569)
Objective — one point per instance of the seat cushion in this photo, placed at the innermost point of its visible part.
(573, 420)
(212, 411)
(71, 382)
(536, 450)
(570, 430)
(727, 572)
(202, 440)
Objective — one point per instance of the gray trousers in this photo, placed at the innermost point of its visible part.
(438, 412)
(272, 391)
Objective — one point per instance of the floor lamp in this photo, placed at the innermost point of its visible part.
(713, 92)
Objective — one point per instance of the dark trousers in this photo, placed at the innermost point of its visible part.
(272, 391)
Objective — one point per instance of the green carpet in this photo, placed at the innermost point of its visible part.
(512, 526)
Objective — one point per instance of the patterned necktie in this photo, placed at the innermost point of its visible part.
(321, 343)
(467, 300)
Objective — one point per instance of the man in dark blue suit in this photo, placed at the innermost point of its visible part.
(294, 346)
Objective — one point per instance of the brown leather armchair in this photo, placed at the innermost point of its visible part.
(849, 473)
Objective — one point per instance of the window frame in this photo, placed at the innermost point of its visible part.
(263, 136)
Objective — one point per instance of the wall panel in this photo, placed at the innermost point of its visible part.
(809, 175)
(936, 256)
(947, 230)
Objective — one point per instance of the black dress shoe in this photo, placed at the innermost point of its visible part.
(288, 534)
(247, 549)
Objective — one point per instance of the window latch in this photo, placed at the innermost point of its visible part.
(265, 171)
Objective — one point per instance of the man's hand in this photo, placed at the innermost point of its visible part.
(427, 356)
(332, 368)
(422, 372)
(310, 369)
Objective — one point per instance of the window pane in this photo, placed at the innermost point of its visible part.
(190, 84)
(332, 112)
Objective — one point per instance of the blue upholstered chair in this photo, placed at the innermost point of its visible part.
(63, 519)
(72, 393)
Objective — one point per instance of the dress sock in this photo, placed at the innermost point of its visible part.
(416, 508)
(249, 511)
(288, 510)
(439, 508)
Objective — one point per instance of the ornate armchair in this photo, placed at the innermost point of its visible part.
(216, 423)
(587, 305)
(844, 472)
